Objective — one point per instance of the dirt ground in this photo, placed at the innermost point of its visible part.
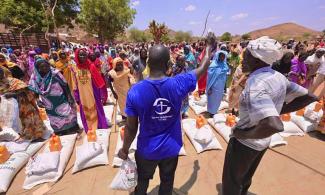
(297, 168)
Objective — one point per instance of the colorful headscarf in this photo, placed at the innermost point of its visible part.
(217, 68)
(42, 85)
(95, 74)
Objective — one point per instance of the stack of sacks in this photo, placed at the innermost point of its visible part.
(199, 103)
(289, 127)
(93, 151)
(117, 162)
(41, 170)
(8, 134)
(9, 107)
(18, 146)
(224, 123)
(308, 118)
(200, 134)
(16, 161)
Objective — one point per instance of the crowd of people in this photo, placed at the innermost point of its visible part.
(76, 78)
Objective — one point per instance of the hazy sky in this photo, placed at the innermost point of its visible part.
(235, 16)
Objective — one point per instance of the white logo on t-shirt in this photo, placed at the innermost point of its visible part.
(161, 106)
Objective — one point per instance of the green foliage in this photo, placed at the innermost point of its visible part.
(323, 32)
(106, 18)
(137, 35)
(246, 36)
(226, 36)
(158, 30)
(306, 35)
(181, 36)
(19, 14)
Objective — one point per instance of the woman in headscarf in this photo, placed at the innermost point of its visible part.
(202, 82)
(122, 81)
(216, 80)
(54, 57)
(65, 66)
(32, 125)
(112, 56)
(234, 61)
(12, 69)
(298, 73)
(179, 68)
(236, 87)
(189, 58)
(98, 64)
(88, 83)
(31, 62)
(140, 64)
(283, 65)
(55, 97)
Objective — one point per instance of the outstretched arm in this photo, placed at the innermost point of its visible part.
(299, 103)
(210, 41)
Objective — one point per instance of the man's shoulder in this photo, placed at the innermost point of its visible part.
(266, 79)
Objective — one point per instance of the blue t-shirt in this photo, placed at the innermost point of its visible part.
(157, 104)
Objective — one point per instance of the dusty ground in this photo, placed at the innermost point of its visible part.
(298, 168)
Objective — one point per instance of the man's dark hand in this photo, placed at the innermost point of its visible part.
(122, 154)
(211, 40)
(238, 133)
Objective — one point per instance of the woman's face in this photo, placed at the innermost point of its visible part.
(143, 54)
(119, 66)
(43, 68)
(2, 58)
(221, 57)
(92, 57)
(63, 56)
(82, 56)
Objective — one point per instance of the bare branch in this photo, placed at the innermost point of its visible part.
(205, 25)
(21, 34)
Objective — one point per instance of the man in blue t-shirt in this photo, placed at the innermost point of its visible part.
(156, 103)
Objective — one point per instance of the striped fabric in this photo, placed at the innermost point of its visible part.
(264, 95)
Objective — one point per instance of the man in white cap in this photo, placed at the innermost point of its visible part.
(318, 60)
(267, 94)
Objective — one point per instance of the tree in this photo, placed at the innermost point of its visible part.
(106, 18)
(246, 36)
(181, 36)
(137, 35)
(225, 36)
(323, 33)
(306, 35)
(157, 30)
(29, 14)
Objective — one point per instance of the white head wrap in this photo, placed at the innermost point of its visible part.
(266, 49)
(321, 49)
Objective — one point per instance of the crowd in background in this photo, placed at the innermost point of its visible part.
(77, 77)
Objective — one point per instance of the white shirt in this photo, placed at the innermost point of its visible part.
(264, 95)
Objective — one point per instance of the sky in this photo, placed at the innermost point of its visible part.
(234, 16)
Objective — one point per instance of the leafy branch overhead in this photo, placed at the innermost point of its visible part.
(105, 18)
(24, 13)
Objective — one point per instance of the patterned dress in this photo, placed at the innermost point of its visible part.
(56, 98)
(32, 125)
